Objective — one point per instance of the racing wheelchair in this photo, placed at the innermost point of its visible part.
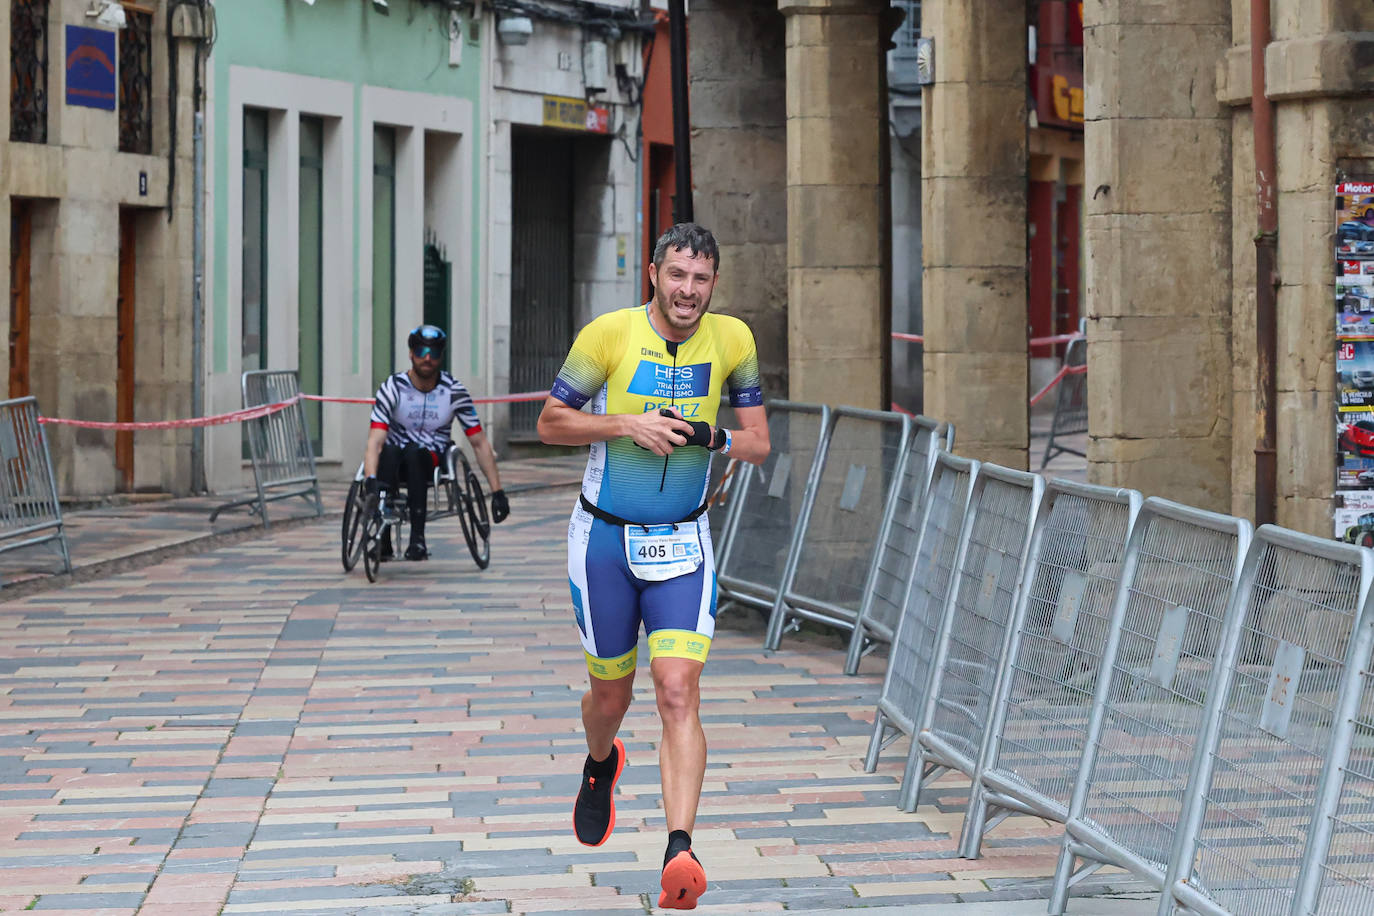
(455, 490)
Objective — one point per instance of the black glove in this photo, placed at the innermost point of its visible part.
(500, 506)
(701, 430)
(370, 485)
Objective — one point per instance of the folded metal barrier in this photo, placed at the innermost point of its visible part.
(1039, 721)
(896, 554)
(773, 503)
(830, 575)
(30, 511)
(279, 445)
(974, 627)
(913, 643)
(1181, 568)
(1070, 404)
(1266, 782)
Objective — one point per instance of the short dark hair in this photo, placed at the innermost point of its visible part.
(696, 239)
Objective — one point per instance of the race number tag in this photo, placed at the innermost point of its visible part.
(660, 552)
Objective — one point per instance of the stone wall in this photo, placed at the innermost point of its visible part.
(80, 182)
(737, 73)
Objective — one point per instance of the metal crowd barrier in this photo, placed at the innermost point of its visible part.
(773, 503)
(1266, 778)
(913, 643)
(30, 512)
(1070, 403)
(848, 512)
(1181, 568)
(1038, 725)
(723, 486)
(279, 445)
(973, 628)
(896, 555)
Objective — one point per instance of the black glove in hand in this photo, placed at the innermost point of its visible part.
(370, 485)
(500, 506)
(701, 431)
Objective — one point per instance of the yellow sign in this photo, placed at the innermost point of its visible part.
(574, 114)
(1068, 100)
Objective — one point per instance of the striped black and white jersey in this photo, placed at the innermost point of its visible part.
(423, 417)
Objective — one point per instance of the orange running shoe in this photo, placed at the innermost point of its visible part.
(684, 880)
(594, 811)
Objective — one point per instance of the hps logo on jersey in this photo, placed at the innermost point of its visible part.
(655, 380)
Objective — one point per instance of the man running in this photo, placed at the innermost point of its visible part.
(639, 548)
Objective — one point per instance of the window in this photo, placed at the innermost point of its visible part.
(136, 83)
(383, 251)
(254, 239)
(310, 289)
(29, 71)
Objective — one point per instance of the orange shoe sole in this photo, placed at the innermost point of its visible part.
(610, 825)
(684, 880)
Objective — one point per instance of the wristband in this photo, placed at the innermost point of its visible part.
(725, 449)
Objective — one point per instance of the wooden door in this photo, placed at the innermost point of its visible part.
(21, 274)
(124, 378)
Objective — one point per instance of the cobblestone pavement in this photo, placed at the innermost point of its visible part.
(249, 730)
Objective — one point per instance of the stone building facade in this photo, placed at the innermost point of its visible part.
(96, 181)
(1169, 219)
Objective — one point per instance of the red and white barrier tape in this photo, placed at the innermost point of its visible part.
(1058, 377)
(248, 413)
(494, 399)
(252, 413)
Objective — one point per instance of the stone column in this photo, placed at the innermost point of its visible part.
(739, 161)
(974, 217)
(836, 204)
(1158, 258)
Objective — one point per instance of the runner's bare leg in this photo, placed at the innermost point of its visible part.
(682, 753)
(603, 708)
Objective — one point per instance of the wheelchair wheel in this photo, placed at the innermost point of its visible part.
(473, 523)
(354, 509)
(372, 538)
(479, 502)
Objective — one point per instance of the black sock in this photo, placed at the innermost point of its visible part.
(602, 769)
(678, 841)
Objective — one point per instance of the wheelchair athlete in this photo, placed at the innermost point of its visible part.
(412, 419)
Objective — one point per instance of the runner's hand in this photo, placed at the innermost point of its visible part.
(659, 432)
(500, 506)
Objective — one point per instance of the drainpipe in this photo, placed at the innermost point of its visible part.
(197, 302)
(682, 131)
(1266, 276)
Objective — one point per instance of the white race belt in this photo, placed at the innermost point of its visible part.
(656, 553)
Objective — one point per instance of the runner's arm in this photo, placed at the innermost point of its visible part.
(750, 442)
(562, 424)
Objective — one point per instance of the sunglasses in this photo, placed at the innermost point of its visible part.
(424, 352)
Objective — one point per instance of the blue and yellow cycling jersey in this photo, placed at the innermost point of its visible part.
(621, 362)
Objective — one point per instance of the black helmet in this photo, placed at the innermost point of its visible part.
(427, 335)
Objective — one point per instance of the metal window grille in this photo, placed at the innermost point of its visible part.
(908, 664)
(968, 651)
(1246, 830)
(896, 554)
(1039, 720)
(136, 83)
(29, 71)
(850, 509)
(773, 503)
(1181, 567)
